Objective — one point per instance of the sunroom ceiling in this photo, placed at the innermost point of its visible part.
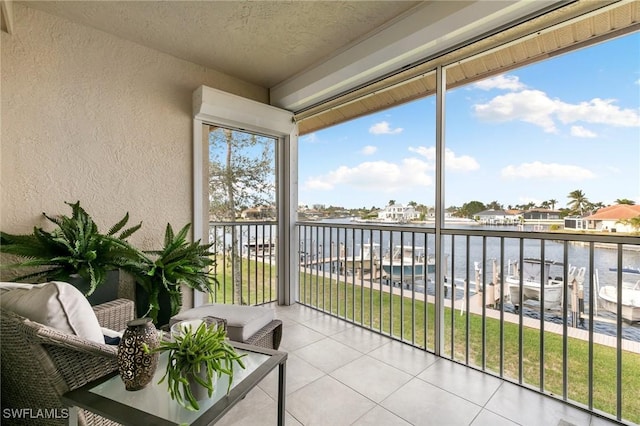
(302, 51)
(330, 61)
(261, 42)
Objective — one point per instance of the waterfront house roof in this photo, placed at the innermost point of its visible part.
(492, 212)
(616, 212)
(543, 210)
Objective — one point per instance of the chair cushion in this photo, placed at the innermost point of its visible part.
(242, 321)
(55, 304)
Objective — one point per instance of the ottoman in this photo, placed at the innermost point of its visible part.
(254, 325)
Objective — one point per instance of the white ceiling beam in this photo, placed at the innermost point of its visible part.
(425, 31)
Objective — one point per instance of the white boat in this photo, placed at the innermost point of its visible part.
(627, 270)
(531, 278)
(406, 263)
(608, 298)
(259, 249)
(362, 260)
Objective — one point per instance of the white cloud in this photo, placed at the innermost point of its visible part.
(535, 107)
(383, 128)
(369, 150)
(638, 81)
(532, 106)
(600, 111)
(381, 176)
(581, 132)
(451, 160)
(505, 82)
(310, 138)
(552, 171)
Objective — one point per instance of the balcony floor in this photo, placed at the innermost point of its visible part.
(340, 374)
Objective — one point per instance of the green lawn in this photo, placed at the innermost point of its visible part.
(259, 282)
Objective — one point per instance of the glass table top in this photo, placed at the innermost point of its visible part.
(109, 397)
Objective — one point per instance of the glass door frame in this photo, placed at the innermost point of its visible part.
(215, 107)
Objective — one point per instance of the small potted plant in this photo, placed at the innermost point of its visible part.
(161, 273)
(196, 359)
(75, 251)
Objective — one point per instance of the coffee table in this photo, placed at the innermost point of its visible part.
(108, 397)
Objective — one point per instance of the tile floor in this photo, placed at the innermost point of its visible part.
(340, 374)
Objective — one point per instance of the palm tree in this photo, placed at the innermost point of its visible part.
(593, 207)
(625, 201)
(634, 222)
(578, 202)
(392, 202)
(553, 203)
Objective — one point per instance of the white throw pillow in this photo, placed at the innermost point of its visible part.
(56, 304)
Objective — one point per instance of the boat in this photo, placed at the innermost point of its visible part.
(258, 248)
(608, 299)
(627, 270)
(406, 263)
(361, 262)
(531, 279)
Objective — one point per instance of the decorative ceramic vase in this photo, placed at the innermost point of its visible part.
(136, 367)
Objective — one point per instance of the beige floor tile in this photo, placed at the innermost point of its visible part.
(487, 418)
(327, 325)
(361, 339)
(378, 416)
(404, 357)
(327, 402)
(421, 403)
(531, 409)
(297, 312)
(462, 381)
(298, 372)
(256, 409)
(372, 378)
(298, 336)
(327, 354)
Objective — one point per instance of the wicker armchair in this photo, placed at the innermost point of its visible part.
(40, 363)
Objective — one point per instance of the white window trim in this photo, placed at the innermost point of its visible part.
(213, 106)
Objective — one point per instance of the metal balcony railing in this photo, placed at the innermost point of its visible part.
(554, 312)
(245, 262)
(558, 313)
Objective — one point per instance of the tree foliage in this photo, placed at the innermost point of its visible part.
(471, 208)
(634, 222)
(241, 172)
(241, 175)
(625, 201)
(578, 202)
(494, 205)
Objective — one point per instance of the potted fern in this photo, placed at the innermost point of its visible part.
(75, 251)
(196, 358)
(161, 273)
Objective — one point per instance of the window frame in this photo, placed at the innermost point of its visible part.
(215, 107)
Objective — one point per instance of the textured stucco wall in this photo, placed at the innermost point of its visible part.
(91, 117)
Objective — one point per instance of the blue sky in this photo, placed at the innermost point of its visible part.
(533, 134)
